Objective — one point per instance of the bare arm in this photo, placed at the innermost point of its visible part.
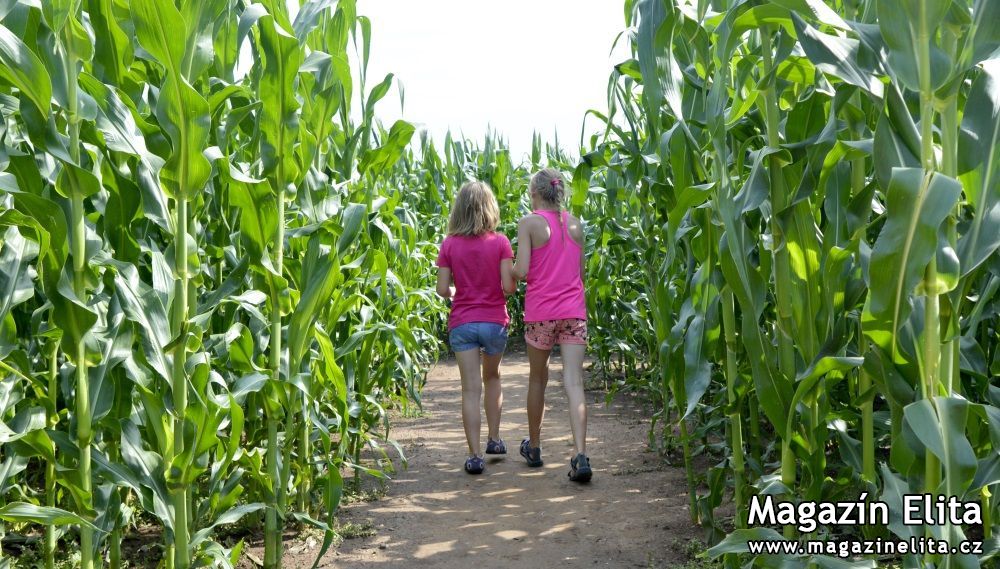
(523, 250)
(445, 288)
(507, 276)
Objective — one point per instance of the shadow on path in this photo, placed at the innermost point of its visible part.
(633, 514)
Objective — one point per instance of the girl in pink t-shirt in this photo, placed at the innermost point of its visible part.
(550, 256)
(475, 271)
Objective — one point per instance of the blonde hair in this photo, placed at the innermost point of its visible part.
(475, 211)
(549, 185)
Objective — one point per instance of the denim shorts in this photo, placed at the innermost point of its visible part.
(488, 336)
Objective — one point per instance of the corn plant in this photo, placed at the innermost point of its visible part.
(197, 237)
(808, 170)
(210, 261)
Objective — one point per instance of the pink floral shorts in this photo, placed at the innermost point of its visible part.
(547, 333)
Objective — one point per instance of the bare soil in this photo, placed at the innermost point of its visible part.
(634, 513)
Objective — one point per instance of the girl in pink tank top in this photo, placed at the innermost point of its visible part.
(550, 257)
(555, 284)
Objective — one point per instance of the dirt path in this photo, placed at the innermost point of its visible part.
(633, 514)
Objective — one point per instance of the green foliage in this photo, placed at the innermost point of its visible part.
(831, 167)
(216, 278)
(206, 280)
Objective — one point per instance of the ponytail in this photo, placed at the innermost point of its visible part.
(549, 185)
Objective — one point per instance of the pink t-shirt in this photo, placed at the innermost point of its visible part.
(475, 267)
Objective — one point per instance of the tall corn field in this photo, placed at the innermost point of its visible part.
(216, 265)
(206, 279)
(797, 209)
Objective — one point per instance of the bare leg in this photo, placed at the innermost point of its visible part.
(572, 359)
(493, 396)
(538, 378)
(472, 392)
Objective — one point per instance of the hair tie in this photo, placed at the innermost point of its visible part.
(555, 182)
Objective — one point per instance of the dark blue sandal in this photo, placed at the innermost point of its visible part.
(475, 465)
(531, 454)
(579, 469)
(496, 447)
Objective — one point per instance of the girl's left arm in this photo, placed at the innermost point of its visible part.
(445, 288)
(523, 250)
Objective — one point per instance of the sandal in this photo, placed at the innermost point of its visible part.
(475, 465)
(531, 454)
(496, 447)
(579, 469)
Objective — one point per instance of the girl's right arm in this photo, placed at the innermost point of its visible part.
(583, 250)
(507, 280)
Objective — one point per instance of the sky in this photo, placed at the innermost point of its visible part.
(514, 66)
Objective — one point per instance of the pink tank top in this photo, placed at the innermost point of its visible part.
(555, 287)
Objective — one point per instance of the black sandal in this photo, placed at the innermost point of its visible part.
(496, 447)
(579, 469)
(475, 465)
(531, 454)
